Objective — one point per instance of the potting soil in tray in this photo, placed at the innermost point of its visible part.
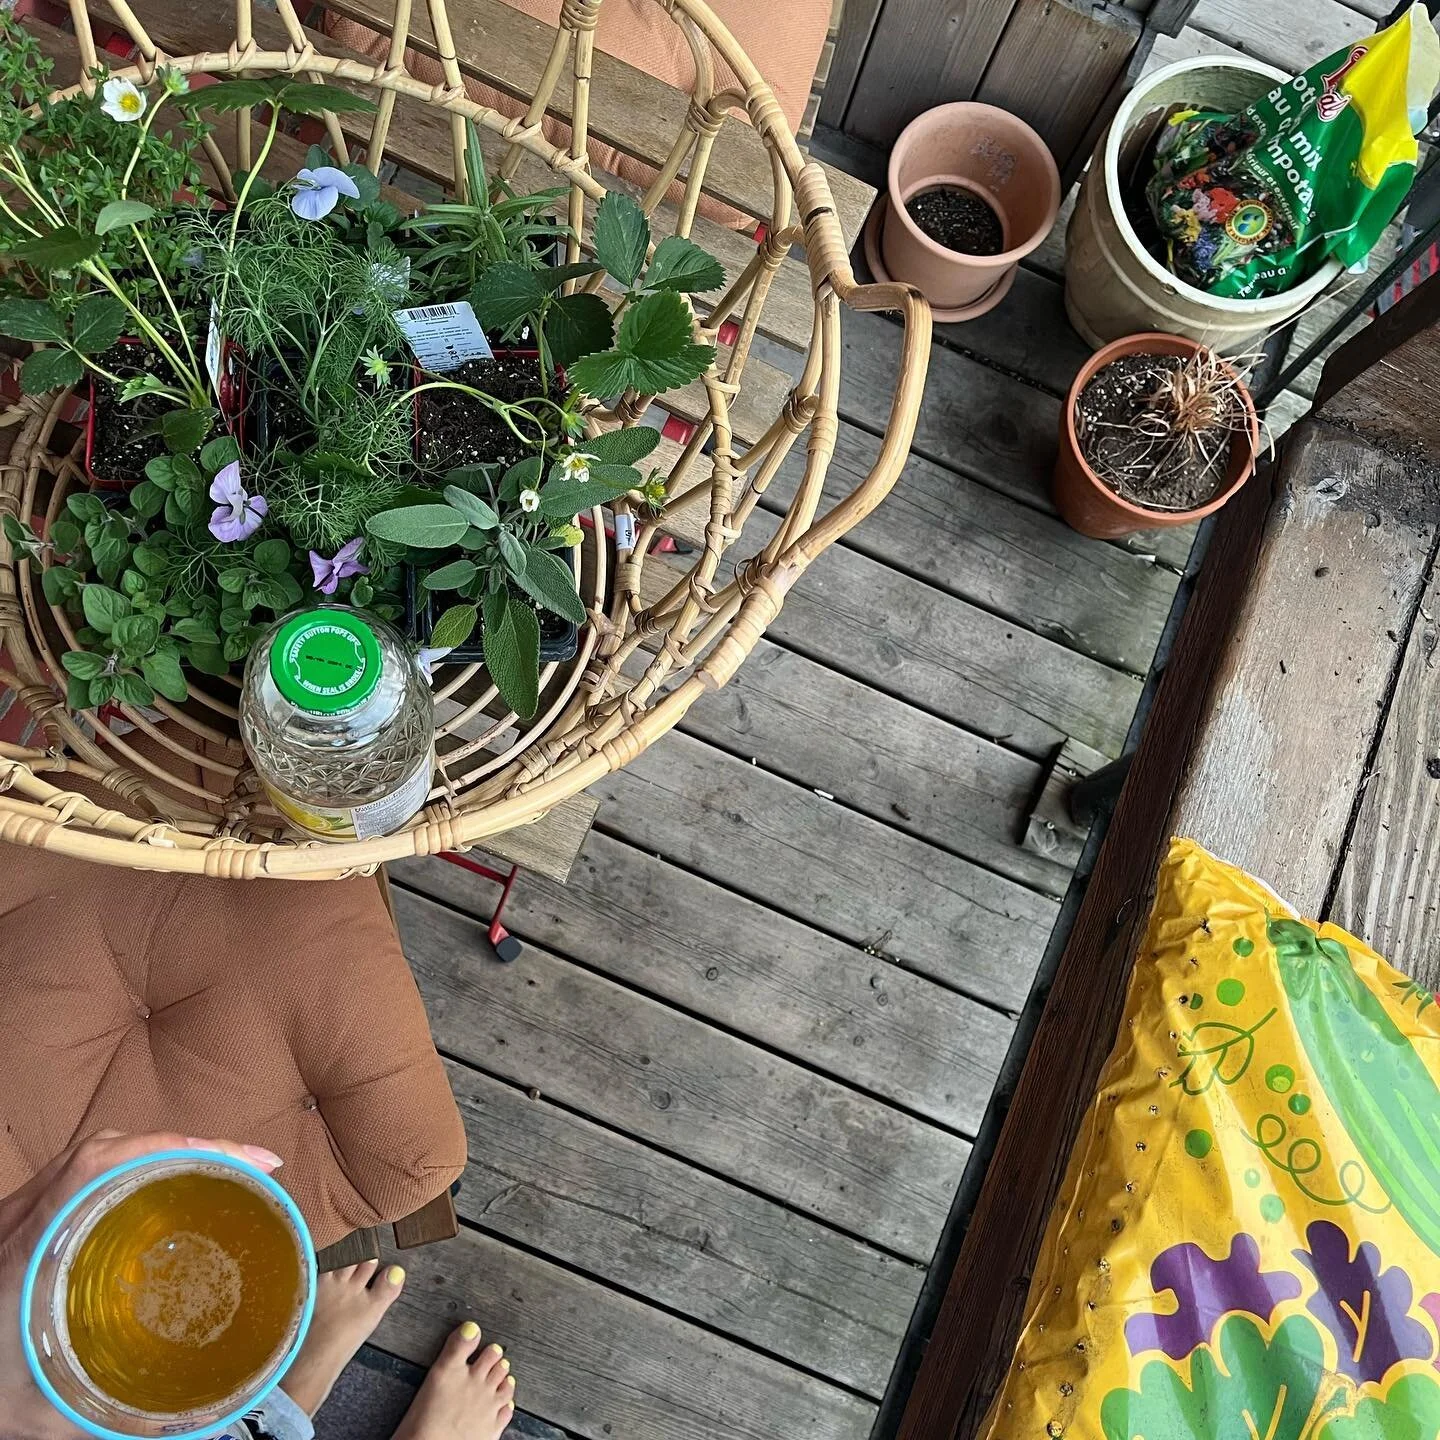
(457, 429)
(958, 219)
(1160, 472)
(126, 435)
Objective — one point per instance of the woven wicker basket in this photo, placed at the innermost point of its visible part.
(177, 794)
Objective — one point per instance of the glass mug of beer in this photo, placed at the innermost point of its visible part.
(168, 1297)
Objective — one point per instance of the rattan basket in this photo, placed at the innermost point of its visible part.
(177, 794)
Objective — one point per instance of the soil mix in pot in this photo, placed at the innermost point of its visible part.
(1158, 429)
(455, 429)
(958, 219)
(127, 436)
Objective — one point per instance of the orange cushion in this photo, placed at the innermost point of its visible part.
(277, 1013)
(784, 42)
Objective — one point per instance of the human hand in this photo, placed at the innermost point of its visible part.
(25, 1414)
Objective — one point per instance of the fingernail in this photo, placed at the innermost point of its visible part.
(395, 1274)
(261, 1156)
(199, 1144)
(469, 1331)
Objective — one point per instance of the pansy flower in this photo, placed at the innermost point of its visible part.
(237, 515)
(341, 566)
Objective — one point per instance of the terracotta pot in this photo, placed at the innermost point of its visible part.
(997, 156)
(1091, 506)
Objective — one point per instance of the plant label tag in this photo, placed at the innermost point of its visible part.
(444, 337)
(213, 347)
(624, 532)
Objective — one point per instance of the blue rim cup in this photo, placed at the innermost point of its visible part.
(43, 1321)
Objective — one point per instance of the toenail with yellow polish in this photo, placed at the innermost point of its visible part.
(395, 1274)
(504, 1364)
(469, 1331)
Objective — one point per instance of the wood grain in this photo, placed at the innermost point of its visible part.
(604, 1365)
(550, 845)
(1050, 828)
(822, 1001)
(857, 24)
(716, 1253)
(1292, 34)
(922, 53)
(659, 1076)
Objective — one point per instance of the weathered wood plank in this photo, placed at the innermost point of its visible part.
(833, 868)
(660, 1076)
(1389, 887)
(628, 109)
(857, 23)
(1049, 256)
(987, 425)
(922, 54)
(878, 755)
(550, 845)
(1016, 561)
(1056, 65)
(1292, 34)
(1051, 829)
(723, 957)
(654, 1226)
(604, 1365)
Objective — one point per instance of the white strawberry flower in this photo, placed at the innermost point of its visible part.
(124, 100)
(576, 466)
(529, 501)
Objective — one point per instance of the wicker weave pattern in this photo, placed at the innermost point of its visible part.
(654, 645)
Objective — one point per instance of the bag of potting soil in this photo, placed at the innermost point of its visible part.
(1250, 204)
(1246, 1245)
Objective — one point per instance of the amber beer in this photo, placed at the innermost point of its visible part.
(177, 1297)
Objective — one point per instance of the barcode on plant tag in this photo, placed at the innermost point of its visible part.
(444, 337)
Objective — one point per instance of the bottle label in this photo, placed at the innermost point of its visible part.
(359, 822)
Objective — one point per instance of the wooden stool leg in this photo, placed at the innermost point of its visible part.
(435, 1221)
(357, 1246)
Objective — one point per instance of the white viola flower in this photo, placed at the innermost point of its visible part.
(529, 501)
(576, 466)
(124, 100)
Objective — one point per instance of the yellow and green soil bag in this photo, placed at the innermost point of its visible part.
(1250, 204)
(1247, 1242)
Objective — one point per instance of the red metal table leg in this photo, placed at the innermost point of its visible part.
(505, 945)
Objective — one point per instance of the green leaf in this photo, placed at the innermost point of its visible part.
(266, 590)
(681, 265)
(77, 694)
(622, 236)
(475, 179)
(621, 447)
(513, 553)
(60, 584)
(505, 294)
(552, 277)
(658, 333)
(189, 504)
(365, 182)
(195, 630)
(102, 690)
(272, 556)
(64, 535)
(31, 320)
(227, 95)
(453, 627)
(362, 592)
(83, 664)
(85, 507)
(232, 581)
(99, 322)
(1250, 1387)
(149, 560)
(208, 659)
(50, 370)
(103, 607)
(163, 672)
(238, 645)
(147, 499)
(185, 430)
(548, 581)
(427, 527)
(133, 690)
(472, 507)
(122, 212)
(317, 99)
(218, 453)
(523, 475)
(512, 652)
(578, 325)
(147, 384)
(135, 634)
(451, 576)
(61, 249)
(563, 499)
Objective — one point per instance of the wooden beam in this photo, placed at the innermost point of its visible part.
(857, 25)
(1283, 656)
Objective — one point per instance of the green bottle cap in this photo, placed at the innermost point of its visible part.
(325, 661)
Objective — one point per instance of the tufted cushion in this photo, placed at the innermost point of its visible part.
(271, 1012)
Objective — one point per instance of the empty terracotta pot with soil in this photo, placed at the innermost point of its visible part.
(972, 190)
(1156, 431)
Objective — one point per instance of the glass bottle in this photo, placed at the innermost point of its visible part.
(339, 723)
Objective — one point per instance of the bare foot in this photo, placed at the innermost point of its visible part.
(463, 1398)
(348, 1307)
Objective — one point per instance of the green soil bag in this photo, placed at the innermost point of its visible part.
(1250, 204)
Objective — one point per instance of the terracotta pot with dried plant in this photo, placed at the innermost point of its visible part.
(1157, 431)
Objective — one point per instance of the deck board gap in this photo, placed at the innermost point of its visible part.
(736, 1182)
(845, 1081)
(650, 1303)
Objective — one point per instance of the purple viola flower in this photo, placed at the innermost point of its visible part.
(341, 566)
(318, 191)
(236, 516)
